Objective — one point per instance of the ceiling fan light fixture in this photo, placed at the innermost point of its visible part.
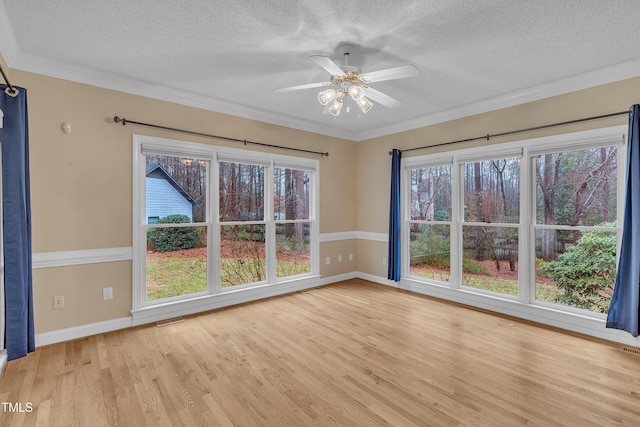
(356, 92)
(350, 86)
(326, 96)
(364, 104)
(335, 108)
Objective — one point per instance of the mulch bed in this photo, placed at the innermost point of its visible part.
(229, 249)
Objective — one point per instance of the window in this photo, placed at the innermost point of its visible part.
(490, 228)
(242, 224)
(176, 249)
(208, 220)
(575, 226)
(292, 208)
(430, 222)
(532, 222)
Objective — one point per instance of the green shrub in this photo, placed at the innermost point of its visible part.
(586, 271)
(431, 247)
(174, 238)
(469, 266)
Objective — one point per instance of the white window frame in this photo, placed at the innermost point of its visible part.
(524, 305)
(433, 162)
(214, 295)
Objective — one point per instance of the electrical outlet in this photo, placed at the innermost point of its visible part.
(107, 293)
(339, 258)
(328, 260)
(384, 260)
(58, 302)
(350, 257)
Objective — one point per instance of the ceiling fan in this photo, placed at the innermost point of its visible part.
(348, 81)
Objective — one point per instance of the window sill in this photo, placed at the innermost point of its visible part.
(226, 298)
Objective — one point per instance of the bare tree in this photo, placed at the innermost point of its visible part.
(499, 166)
(548, 176)
(592, 184)
(480, 234)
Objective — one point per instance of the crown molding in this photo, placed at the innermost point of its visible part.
(559, 87)
(102, 79)
(105, 80)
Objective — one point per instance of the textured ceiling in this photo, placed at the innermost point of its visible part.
(229, 55)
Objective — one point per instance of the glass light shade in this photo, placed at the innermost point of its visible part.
(356, 92)
(336, 107)
(364, 104)
(326, 96)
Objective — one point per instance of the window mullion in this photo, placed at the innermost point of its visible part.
(526, 286)
(457, 214)
(270, 227)
(213, 238)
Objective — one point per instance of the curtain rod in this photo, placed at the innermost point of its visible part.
(11, 89)
(125, 121)
(512, 132)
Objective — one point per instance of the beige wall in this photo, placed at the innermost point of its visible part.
(81, 186)
(373, 161)
(335, 251)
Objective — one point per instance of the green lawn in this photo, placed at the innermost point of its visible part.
(170, 276)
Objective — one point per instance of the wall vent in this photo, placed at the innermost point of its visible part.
(169, 322)
(632, 350)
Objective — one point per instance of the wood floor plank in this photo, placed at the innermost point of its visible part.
(348, 354)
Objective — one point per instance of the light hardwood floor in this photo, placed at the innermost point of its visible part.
(349, 354)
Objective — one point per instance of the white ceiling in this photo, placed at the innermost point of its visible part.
(229, 55)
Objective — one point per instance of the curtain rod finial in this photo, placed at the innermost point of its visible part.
(118, 120)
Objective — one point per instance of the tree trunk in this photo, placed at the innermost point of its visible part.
(290, 205)
(477, 180)
(605, 204)
(500, 174)
(548, 176)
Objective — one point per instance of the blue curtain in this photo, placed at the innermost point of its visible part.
(16, 209)
(625, 303)
(393, 272)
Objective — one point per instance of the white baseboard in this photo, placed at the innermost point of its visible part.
(338, 278)
(82, 331)
(3, 359)
(376, 279)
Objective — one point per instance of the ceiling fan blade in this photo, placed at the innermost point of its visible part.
(381, 98)
(390, 74)
(301, 87)
(326, 63)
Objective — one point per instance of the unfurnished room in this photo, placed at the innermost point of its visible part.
(320, 213)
